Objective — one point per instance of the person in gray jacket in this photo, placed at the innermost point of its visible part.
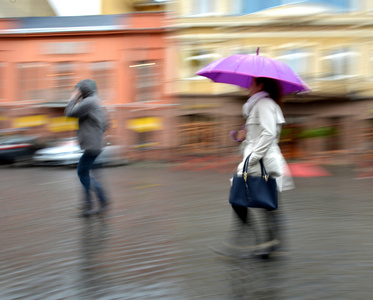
(85, 105)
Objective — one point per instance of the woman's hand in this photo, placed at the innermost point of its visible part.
(238, 136)
(241, 135)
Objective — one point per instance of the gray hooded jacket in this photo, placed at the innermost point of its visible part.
(92, 117)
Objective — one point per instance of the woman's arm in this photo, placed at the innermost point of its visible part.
(267, 136)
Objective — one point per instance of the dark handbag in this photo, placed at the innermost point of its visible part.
(254, 191)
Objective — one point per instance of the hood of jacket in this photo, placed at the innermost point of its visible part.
(88, 87)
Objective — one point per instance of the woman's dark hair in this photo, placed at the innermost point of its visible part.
(272, 87)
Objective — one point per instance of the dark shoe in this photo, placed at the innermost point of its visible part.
(86, 209)
(233, 251)
(265, 249)
(87, 213)
(104, 207)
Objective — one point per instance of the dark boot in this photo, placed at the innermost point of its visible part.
(87, 210)
(272, 239)
(240, 242)
(104, 206)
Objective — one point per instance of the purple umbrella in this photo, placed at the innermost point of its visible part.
(239, 69)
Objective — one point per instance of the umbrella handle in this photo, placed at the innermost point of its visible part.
(257, 51)
(233, 134)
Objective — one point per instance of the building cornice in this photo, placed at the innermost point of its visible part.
(353, 33)
(358, 20)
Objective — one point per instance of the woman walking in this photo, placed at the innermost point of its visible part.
(267, 80)
(264, 120)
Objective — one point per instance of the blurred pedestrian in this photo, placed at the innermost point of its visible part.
(264, 120)
(85, 105)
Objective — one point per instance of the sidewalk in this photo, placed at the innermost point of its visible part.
(228, 163)
(154, 243)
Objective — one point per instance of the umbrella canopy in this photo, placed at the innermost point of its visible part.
(239, 69)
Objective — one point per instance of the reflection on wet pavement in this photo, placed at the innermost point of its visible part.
(154, 243)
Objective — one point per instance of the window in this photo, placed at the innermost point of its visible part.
(335, 6)
(371, 65)
(236, 7)
(339, 64)
(341, 4)
(147, 81)
(198, 133)
(250, 50)
(250, 6)
(2, 80)
(32, 81)
(297, 60)
(203, 7)
(64, 80)
(103, 75)
(334, 140)
(197, 59)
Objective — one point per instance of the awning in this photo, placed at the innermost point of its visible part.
(60, 124)
(145, 124)
(30, 121)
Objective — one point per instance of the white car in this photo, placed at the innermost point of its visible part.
(67, 153)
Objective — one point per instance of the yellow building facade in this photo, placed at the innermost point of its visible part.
(329, 45)
(109, 7)
(327, 49)
(25, 8)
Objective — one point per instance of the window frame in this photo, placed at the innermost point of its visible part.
(152, 87)
(63, 94)
(106, 90)
(2, 79)
(37, 80)
(339, 53)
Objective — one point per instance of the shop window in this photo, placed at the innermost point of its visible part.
(32, 81)
(198, 133)
(145, 140)
(333, 134)
(64, 79)
(339, 64)
(103, 75)
(147, 81)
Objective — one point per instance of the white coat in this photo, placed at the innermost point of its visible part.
(263, 127)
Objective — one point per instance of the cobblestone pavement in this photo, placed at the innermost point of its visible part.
(154, 243)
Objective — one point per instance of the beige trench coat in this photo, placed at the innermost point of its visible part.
(263, 128)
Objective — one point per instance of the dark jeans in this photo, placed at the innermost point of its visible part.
(86, 164)
(272, 229)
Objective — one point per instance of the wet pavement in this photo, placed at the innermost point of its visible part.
(154, 243)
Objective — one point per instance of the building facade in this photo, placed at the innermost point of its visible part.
(127, 55)
(25, 8)
(328, 43)
(127, 6)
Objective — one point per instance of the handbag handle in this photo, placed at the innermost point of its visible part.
(262, 167)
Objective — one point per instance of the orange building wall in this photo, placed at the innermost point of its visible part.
(124, 48)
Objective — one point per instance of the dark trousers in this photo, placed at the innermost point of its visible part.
(86, 164)
(271, 220)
